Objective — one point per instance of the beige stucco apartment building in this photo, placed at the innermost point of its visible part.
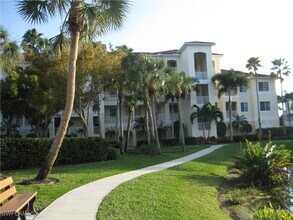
(195, 59)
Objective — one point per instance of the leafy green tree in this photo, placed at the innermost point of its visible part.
(226, 83)
(281, 68)
(239, 122)
(82, 19)
(200, 115)
(253, 64)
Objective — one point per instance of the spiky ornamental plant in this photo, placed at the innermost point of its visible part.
(264, 166)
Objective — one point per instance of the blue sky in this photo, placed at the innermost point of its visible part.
(241, 29)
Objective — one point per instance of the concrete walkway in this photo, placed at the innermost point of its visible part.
(83, 202)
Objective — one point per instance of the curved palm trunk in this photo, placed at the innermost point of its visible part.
(55, 148)
(181, 131)
(258, 110)
(230, 116)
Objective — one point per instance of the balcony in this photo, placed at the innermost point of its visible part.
(96, 130)
(201, 100)
(110, 99)
(201, 75)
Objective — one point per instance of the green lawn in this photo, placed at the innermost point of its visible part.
(76, 175)
(188, 191)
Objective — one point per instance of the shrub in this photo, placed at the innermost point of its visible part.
(27, 153)
(242, 138)
(264, 166)
(146, 148)
(221, 129)
(113, 153)
(269, 213)
(190, 140)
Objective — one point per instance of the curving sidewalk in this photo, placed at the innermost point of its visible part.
(83, 202)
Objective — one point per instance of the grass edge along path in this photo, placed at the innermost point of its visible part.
(187, 191)
(73, 176)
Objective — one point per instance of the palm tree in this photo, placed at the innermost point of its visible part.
(178, 86)
(226, 83)
(82, 20)
(253, 64)
(281, 68)
(211, 113)
(239, 121)
(199, 114)
(10, 53)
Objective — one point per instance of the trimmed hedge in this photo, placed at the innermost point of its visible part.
(28, 153)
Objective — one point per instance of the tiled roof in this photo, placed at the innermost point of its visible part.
(223, 71)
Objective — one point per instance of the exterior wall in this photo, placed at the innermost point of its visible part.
(185, 62)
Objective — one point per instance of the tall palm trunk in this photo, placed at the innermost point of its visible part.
(146, 118)
(181, 131)
(121, 135)
(128, 128)
(258, 108)
(70, 92)
(230, 116)
(151, 117)
(283, 109)
(157, 140)
(172, 118)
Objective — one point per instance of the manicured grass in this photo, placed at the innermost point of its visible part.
(76, 175)
(188, 191)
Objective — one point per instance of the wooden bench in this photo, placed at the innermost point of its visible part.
(14, 205)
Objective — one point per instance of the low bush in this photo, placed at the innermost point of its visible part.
(243, 138)
(269, 213)
(276, 133)
(113, 153)
(264, 166)
(146, 148)
(28, 153)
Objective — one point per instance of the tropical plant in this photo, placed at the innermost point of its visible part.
(83, 19)
(264, 165)
(270, 213)
(200, 115)
(10, 53)
(226, 83)
(281, 68)
(239, 121)
(178, 86)
(221, 129)
(253, 64)
(212, 113)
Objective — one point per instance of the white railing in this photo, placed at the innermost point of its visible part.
(110, 99)
(201, 75)
(202, 99)
(96, 130)
(205, 125)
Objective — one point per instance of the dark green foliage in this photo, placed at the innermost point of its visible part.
(221, 129)
(113, 153)
(277, 133)
(264, 165)
(27, 153)
(243, 138)
(146, 148)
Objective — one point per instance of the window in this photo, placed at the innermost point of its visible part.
(263, 86)
(112, 112)
(243, 89)
(172, 63)
(173, 109)
(96, 120)
(200, 62)
(244, 106)
(265, 106)
(113, 94)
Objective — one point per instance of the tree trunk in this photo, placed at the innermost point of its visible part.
(148, 115)
(172, 118)
(55, 148)
(128, 129)
(181, 130)
(258, 108)
(230, 116)
(157, 140)
(121, 135)
(283, 111)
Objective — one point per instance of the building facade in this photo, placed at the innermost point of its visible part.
(195, 59)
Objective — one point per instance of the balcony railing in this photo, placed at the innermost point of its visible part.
(202, 99)
(96, 130)
(110, 99)
(205, 125)
(201, 75)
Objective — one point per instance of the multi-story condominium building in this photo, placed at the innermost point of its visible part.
(195, 59)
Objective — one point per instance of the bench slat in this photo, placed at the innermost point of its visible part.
(7, 194)
(17, 203)
(6, 182)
